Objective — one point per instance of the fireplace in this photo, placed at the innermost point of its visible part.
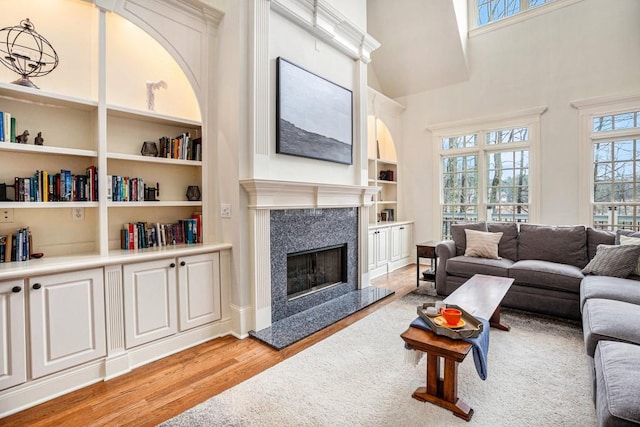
(311, 271)
(288, 217)
(305, 241)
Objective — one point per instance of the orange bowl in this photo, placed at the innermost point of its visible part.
(452, 315)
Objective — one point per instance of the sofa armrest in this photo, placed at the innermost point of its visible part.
(444, 250)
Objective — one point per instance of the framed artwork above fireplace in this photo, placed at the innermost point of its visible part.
(314, 117)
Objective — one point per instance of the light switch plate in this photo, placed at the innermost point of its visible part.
(225, 210)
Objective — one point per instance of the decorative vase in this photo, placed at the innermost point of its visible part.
(193, 193)
(149, 148)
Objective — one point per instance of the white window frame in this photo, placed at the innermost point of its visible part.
(530, 118)
(523, 15)
(587, 110)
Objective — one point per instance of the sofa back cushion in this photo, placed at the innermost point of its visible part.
(459, 236)
(597, 237)
(508, 246)
(563, 244)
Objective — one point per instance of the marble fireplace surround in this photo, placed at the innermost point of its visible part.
(266, 196)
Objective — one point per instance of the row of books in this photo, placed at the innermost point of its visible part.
(126, 189)
(138, 235)
(181, 147)
(7, 127)
(16, 246)
(64, 186)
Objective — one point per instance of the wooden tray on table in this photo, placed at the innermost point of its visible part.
(470, 327)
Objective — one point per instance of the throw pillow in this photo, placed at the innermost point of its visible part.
(613, 260)
(458, 233)
(482, 244)
(626, 240)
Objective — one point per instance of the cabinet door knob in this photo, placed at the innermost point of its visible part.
(173, 264)
(16, 289)
(36, 286)
(401, 228)
(182, 263)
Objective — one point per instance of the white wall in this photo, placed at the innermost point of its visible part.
(584, 50)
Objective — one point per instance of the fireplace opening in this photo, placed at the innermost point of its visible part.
(311, 271)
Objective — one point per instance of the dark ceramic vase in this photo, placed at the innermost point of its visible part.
(149, 148)
(193, 193)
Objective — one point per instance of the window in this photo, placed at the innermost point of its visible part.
(615, 149)
(495, 10)
(485, 174)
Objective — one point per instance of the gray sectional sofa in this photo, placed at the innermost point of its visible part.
(547, 263)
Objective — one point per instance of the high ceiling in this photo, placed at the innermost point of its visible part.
(422, 47)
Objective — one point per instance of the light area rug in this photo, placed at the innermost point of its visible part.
(538, 375)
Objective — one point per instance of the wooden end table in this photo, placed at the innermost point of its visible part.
(426, 250)
(480, 296)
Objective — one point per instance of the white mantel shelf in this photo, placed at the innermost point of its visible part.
(269, 194)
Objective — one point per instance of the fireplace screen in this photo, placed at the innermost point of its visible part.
(310, 271)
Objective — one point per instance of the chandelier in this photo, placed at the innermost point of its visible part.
(26, 52)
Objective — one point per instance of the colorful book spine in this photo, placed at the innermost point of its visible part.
(12, 131)
(1, 126)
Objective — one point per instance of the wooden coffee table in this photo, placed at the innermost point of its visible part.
(480, 296)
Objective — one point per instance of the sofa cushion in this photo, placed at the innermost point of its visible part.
(615, 288)
(464, 266)
(597, 237)
(617, 367)
(613, 260)
(547, 275)
(482, 244)
(605, 319)
(458, 234)
(508, 246)
(561, 244)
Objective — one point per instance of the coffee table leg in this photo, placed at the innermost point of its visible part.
(495, 321)
(443, 391)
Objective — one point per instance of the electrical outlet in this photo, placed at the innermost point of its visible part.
(77, 214)
(6, 215)
(225, 210)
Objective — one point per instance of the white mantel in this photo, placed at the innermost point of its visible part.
(270, 194)
(267, 195)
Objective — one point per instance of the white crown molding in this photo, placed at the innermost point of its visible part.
(607, 102)
(268, 194)
(321, 19)
(531, 113)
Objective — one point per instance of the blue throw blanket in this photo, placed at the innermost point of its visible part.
(480, 344)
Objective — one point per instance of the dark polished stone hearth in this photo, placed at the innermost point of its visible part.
(293, 328)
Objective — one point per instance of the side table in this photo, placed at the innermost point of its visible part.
(427, 250)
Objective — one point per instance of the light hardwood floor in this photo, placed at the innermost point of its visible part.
(161, 390)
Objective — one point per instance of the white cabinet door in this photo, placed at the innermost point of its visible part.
(150, 304)
(13, 354)
(406, 241)
(67, 320)
(382, 246)
(396, 242)
(199, 290)
(373, 259)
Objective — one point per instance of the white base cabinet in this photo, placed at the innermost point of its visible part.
(68, 327)
(170, 295)
(389, 247)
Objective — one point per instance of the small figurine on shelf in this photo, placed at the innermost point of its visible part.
(152, 194)
(23, 138)
(39, 139)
